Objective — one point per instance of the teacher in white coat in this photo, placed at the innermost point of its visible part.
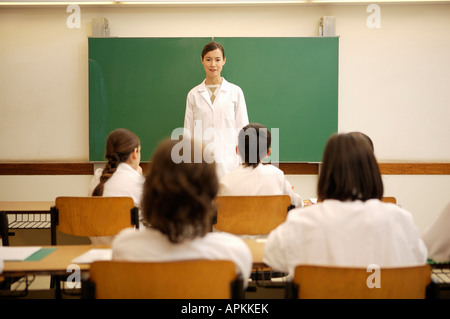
(216, 111)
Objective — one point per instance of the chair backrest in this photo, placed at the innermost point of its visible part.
(189, 279)
(251, 215)
(4, 228)
(93, 216)
(327, 282)
(389, 200)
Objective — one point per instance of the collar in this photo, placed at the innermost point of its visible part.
(225, 86)
(127, 167)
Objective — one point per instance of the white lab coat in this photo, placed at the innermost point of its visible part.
(151, 245)
(351, 233)
(264, 179)
(437, 237)
(127, 182)
(217, 124)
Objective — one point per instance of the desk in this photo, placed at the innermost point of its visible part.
(261, 273)
(257, 248)
(26, 206)
(56, 262)
(27, 214)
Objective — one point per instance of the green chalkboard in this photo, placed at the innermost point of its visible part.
(290, 85)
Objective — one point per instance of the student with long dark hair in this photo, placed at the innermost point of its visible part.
(121, 175)
(350, 226)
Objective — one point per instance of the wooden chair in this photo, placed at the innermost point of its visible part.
(92, 216)
(4, 228)
(389, 200)
(189, 279)
(6, 282)
(251, 215)
(327, 282)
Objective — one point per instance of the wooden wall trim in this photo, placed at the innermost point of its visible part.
(300, 168)
(46, 169)
(288, 168)
(414, 168)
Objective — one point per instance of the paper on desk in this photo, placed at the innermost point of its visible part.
(92, 255)
(12, 253)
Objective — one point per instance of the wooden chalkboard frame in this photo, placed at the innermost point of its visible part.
(290, 85)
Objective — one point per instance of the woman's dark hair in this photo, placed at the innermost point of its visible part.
(211, 46)
(349, 170)
(119, 145)
(368, 139)
(178, 198)
(254, 141)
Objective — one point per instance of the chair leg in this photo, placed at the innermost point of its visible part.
(432, 291)
(291, 291)
(55, 283)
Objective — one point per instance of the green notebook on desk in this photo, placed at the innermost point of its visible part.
(41, 253)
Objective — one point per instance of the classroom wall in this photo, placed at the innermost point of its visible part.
(393, 84)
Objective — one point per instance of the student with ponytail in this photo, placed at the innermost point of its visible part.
(122, 175)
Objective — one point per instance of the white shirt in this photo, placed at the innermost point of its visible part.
(126, 181)
(346, 234)
(264, 179)
(437, 237)
(151, 245)
(218, 123)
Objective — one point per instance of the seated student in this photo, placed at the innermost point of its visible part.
(351, 226)
(122, 175)
(437, 237)
(368, 139)
(253, 177)
(177, 206)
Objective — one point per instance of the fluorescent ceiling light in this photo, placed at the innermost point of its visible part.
(204, 2)
(53, 3)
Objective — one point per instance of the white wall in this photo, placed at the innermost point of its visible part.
(393, 81)
(393, 84)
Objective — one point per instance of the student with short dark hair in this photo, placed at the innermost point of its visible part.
(177, 206)
(351, 226)
(253, 177)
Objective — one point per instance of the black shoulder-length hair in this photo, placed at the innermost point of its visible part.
(254, 142)
(211, 46)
